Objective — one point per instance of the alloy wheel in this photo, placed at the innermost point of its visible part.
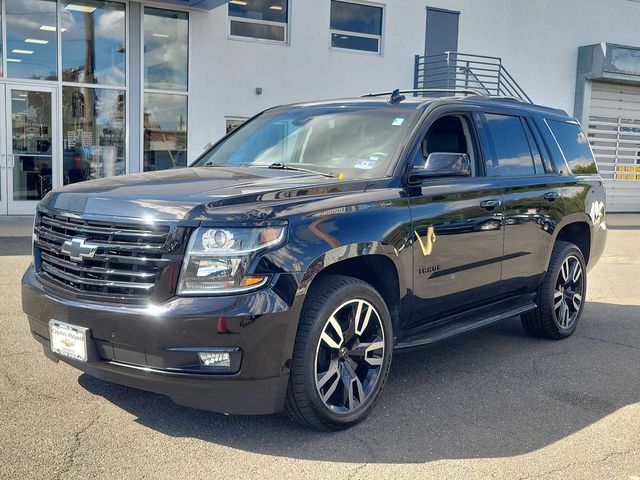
(349, 356)
(569, 292)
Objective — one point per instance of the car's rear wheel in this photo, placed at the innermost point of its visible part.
(560, 298)
(342, 354)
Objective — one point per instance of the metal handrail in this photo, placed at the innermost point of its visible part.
(455, 70)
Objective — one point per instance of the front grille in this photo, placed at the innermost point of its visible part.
(118, 261)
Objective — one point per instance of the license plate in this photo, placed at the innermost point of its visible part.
(68, 340)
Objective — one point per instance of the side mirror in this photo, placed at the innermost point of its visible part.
(443, 165)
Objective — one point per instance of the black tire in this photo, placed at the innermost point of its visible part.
(337, 297)
(551, 319)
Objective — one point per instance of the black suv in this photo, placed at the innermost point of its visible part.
(287, 264)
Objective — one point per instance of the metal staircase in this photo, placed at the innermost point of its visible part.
(455, 70)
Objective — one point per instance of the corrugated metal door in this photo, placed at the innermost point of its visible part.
(614, 133)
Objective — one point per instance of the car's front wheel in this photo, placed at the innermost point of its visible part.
(342, 354)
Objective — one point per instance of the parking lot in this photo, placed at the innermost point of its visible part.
(494, 404)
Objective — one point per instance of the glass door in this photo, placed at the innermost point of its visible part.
(29, 146)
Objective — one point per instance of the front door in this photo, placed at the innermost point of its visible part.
(457, 228)
(28, 163)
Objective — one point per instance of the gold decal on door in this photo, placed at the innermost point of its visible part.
(426, 243)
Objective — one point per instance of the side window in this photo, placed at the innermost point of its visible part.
(449, 134)
(513, 154)
(574, 146)
(539, 163)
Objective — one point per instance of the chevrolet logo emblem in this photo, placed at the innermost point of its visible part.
(78, 249)
(426, 243)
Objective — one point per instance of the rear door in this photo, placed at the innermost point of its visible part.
(533, 203)
(457, 224)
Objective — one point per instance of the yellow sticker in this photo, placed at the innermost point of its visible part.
(341, 176)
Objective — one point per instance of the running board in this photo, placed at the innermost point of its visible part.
(468, 322)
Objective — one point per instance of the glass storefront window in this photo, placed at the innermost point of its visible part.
(165, 131)
(93, 133)
(93, 42)
(32, 45)
(166, 49)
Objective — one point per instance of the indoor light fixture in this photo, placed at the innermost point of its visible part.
(275, 7)
(51, 28)
(159, 35)
(80, 8)
(23, 52)
(14, 60)
(36, 41)
(238, 2)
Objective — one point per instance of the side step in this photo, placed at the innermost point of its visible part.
(467, 322)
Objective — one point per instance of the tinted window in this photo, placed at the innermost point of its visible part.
(574, 146)
(355, 26)
(352, 17)
(510, 142)
(264, 19)
(266, 10)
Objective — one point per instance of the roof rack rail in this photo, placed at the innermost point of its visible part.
(466, 91)
(510, 98)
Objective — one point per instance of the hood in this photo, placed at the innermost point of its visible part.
(190, 192)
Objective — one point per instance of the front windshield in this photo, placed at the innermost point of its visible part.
(343, 141)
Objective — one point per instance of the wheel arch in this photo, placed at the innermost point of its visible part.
(377, 264)
(577, 231)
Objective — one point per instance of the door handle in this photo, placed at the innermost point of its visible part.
(3, 161)
(490, 204)
(10, 161)
(551, 196)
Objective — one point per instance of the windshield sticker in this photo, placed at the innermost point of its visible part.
(365, 164)
(341, 176)
(398, 121)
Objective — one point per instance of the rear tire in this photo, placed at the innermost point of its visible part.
(561, 296)
(342, 354)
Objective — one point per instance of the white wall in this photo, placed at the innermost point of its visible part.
(538, 41)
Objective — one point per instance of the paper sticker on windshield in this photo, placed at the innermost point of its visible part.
(365, 164)
(397, 121)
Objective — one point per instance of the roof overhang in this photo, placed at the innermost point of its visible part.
(609, 61)
(605, 62)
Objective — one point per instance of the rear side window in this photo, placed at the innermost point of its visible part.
(574, 146)
(513, 154)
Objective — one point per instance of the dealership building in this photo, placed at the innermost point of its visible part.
(93, 88)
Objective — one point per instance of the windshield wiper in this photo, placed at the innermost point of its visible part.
(283, 166)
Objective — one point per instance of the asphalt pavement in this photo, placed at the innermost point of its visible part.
(492, 404)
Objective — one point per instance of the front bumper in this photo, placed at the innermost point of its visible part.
(154, 348)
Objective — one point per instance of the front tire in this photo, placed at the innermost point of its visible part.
(342, 354)
(561, 296)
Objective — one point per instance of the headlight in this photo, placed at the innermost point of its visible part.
(217, 259)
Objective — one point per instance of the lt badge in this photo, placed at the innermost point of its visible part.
(427, 243)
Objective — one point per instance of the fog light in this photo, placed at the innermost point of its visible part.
(215, 359)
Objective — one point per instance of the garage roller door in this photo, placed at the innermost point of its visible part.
(614, 133)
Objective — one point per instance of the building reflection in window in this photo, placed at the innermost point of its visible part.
(166, 49)
(165, 131)
(93, 133)
(93, 42)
